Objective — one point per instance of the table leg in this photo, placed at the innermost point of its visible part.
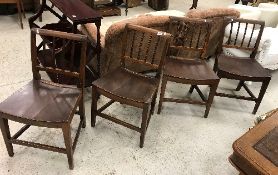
(126, 7)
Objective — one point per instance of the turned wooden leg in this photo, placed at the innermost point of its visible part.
(240, 84)
(145, 115)
(68, 144)
(94, 106)
(6, 135)
(210, 98)
(261, 95)
(162, 93)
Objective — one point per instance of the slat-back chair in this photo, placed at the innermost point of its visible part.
(241, 68)
(142, 46)
(44, 103)
(19, 6)
(190, 35)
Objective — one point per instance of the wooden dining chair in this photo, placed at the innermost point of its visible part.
(20, 8)
(191, 35)
(143, 47)
(43, 103)
(242, 68)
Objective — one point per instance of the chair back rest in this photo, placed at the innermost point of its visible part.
(144, 47)
(189, 34)
(243, 34)
(56, 55)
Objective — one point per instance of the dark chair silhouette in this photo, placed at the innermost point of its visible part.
(240, 68)
(191, 35)
(142, 46)
(43, 103)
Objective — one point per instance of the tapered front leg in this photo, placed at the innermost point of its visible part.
(6, 135)
(68, 144)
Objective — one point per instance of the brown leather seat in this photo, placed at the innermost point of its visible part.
(38, 101)
(241, 66)
(197, 70)
(120, 81)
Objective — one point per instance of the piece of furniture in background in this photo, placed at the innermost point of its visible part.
(257, 2)
(193, 35)
(46, 104)
(78, 13)
(244, 2)
(243, 68)
(268, 49)
(20, 8)
(105, 7)
(143, 46)
(194, 4)
(158, 4)
(111, 40)
(256, 151)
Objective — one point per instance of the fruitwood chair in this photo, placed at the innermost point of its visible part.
(241, 68)
(142, 46)
(191, 35)
(20, 8)
(46, 104)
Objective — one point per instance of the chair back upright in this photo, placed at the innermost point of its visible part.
(54, 47)
(243, 34)
(144, 47)
(189, 35)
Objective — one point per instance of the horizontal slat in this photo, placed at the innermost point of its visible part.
(38, 145)
(235, 96)
(120, 122)
(183, 101)
(58, 71)
(141, 62)
(59, 34)
(238, 47)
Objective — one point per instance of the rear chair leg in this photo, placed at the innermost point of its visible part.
(191, 89)
(82, 113)
(94, 106)
(6, 135)
(68, 144)
(240, 84)
(261, 95)
(162, 93)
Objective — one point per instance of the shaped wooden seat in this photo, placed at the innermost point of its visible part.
(239, 68)
(44, 103)
(191, 35)
(142, 46)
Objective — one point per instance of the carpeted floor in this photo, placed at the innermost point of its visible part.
(179, 141)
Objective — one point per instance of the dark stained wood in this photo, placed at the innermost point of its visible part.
(243, 69)
(193, 35)
(255, 152)
(47, 104)
(78, 13)
(142, 46)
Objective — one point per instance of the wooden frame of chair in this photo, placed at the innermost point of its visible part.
(151, 49)
(53, 123)
(20, 8)
(256, 72)
(196, 41)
